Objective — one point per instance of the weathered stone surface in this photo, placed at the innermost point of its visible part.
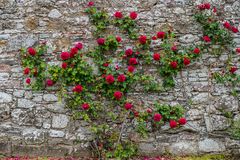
(56, 134)
(60, 121)
(5, 98)
(4, 112)
(24, 103)
(18, 93)
(201, 98)
(184, 148)
(50, 97)
(54, 14)
(210, 145)
(33, 135)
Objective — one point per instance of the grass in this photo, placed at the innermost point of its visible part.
(205, 157)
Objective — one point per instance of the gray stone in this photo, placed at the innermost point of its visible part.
(188, 38)
(37, 98)
(54, 14)
(201, 98)
(4, 36)
(60, 121)
(4, 76)
(217, 122)
(24, 103)
(33, 135)
(56, 107)
(50, 97)
(210, 145)
(4, 112)
(83, 134)
(56, 134)
(183, 148)
(21, 40)
(5, 98)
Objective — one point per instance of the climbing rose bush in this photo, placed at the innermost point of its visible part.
(102, 98)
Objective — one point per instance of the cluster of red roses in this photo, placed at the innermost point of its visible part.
(157, 117)
(119, 15)
(32, 52)
(228, 26)
(204, 6)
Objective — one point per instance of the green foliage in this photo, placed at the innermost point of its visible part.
(123, 151)
(37, 66)
(128, 25)
(235, 129)
(100, 19)
(170, 112)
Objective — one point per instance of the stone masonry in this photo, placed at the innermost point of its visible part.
(35, 123)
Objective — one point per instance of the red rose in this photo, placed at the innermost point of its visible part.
(28, 80)
(133, 15)
(157, 117)
(73, 52)
(117, 95)
(32, 51)
(49, 82)
(91, 3)
(106, 64)
(174, 64)
(214, 10)
(149, 110)
(133, 61)
(129, 52)
(131, 69)
(100, 41)
(233, 69)
(79, 45)
(186, 61)
(110, 79)
(65, 55)
(173, 124)
(156, 56)
(78, 88)
(142, 39)
(85, 106)
(238, 50)
(182, 121)
(64, 65)
(196, 51)
(227, 25)
(174, 48)
(207, 5)
(128, 106)
(119, 39)
(206, 39)
(121, 78)
(201, 6)
(154, 37)
(161, 35)
(234, 30)
(118, 14)
(26, 70)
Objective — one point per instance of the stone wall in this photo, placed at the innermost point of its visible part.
(34, 123)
